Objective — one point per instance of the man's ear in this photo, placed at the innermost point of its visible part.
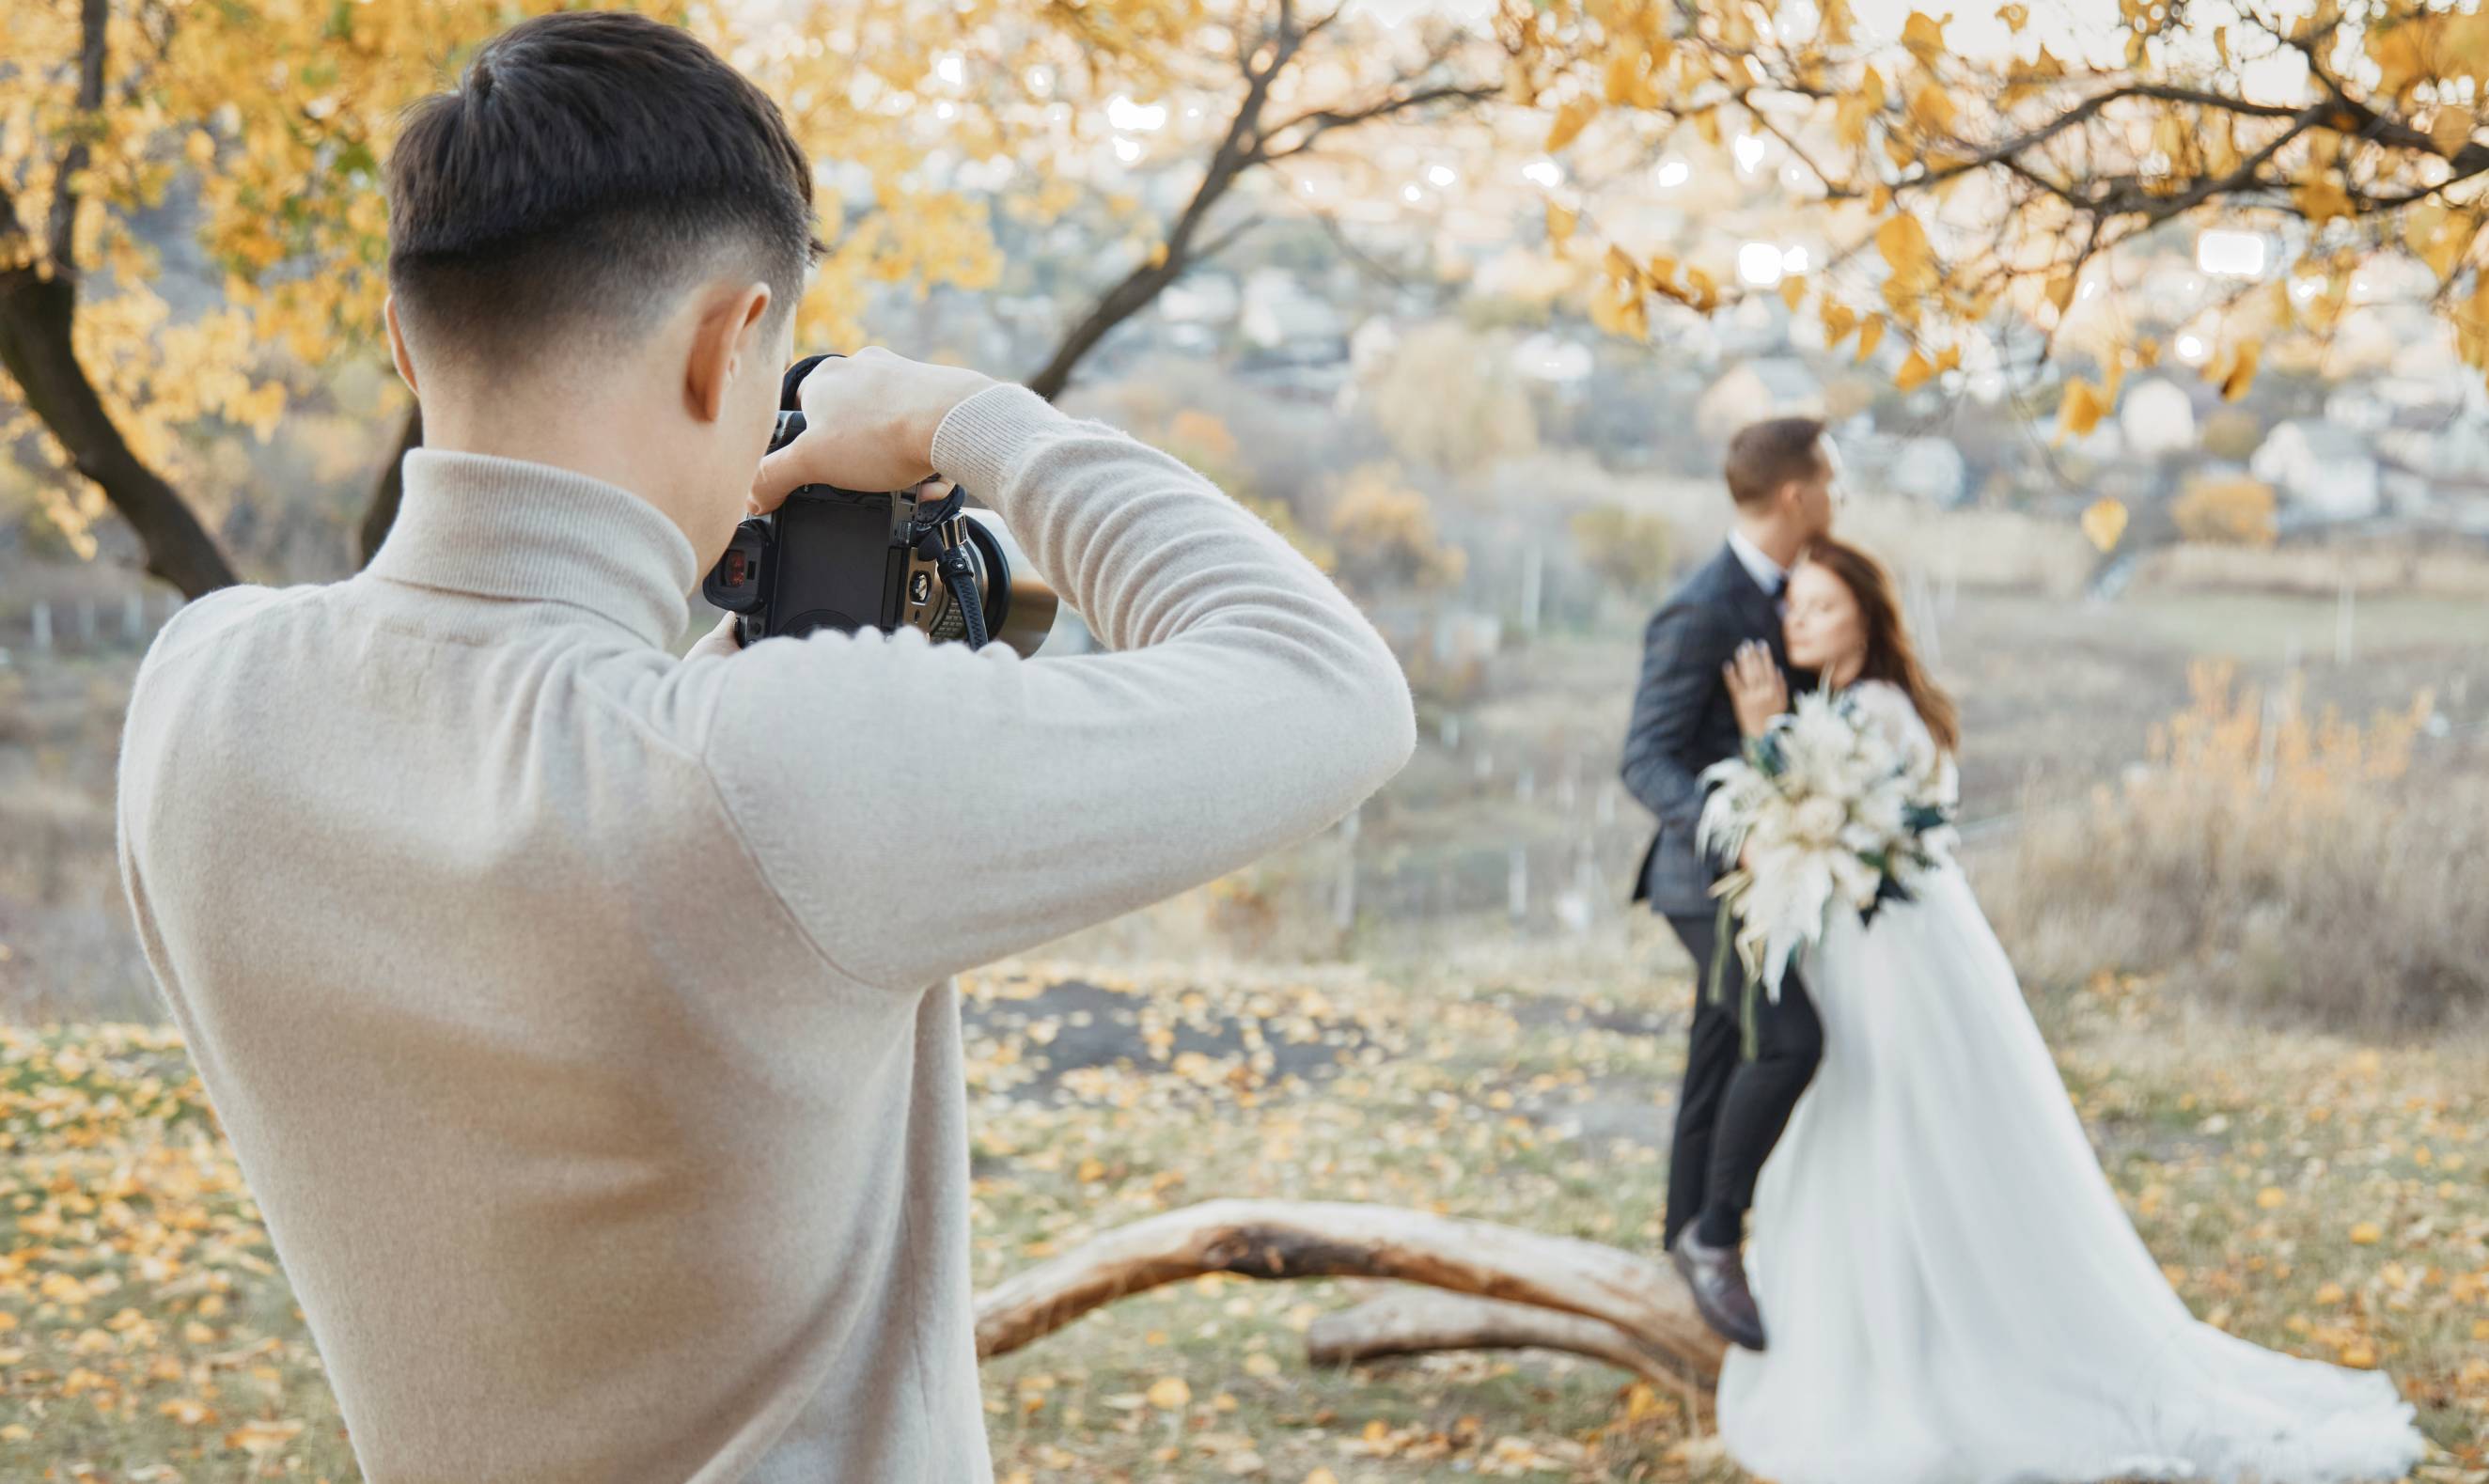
(398, 352)
(725, 343)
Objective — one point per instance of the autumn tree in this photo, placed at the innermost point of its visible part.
(258, 126)
(1449, 399)
(1981, 180)
(1387, 537)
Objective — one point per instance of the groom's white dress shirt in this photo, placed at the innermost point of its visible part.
(1768, 575)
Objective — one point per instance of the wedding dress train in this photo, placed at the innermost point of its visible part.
(1953, 1294)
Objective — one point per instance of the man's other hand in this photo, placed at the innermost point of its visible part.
(868, 424)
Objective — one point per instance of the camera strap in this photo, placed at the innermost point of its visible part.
(925, 533)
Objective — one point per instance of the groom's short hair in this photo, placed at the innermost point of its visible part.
(1766, 455)
(589, 168)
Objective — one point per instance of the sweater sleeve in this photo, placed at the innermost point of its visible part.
(921, 808)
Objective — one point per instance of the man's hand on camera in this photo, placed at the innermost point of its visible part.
(717, 643)
(868, 424)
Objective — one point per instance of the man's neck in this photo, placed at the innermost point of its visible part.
(581, 441)
(1774, 541)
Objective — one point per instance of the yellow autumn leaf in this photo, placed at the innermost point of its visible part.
(1925, 38)
(1618, 309)
(2330, 1294)
(2104, 522)
(2451, 131)
(2078, 414)
(259, 1436)
(2367, 1234)
(2321, 198)
(1950, 358)
(2014, 16)
(2359, 1355)
(1170, 1393)
(2270, 1198)
(1931, 108)
(1570, 121)
(2243, 373)
(1794, 291)
(1913, 373)
(1903, 242)
(1260, 1364)
(1626, 80)
(1322, 1476)
(1838, 320)
(1561, 222)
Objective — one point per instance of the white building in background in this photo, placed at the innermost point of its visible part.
(1206, 296)
(2158, 417)
(2433, 462)
(1278, 314)
(1371, 344)
(1930, 469)
(2324, 469)
(1771, 386)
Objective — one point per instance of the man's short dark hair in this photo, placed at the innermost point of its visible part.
(1766, 455)
(585, 170)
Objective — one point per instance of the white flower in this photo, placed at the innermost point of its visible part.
(1819, 821)
(1824, 814)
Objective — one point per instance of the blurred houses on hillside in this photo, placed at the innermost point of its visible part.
(1752, 390)
(2327, 472)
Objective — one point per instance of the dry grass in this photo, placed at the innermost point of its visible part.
(2304, 1192)
(2279, 864)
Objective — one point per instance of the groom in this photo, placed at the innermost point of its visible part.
(1785, 478)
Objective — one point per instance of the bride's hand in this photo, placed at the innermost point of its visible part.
(1755, 688)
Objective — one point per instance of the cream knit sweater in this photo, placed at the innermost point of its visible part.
(580, 1016)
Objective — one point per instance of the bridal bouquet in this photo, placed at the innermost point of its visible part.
(1841, 810)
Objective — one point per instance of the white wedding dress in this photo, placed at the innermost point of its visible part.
(1953, 1294)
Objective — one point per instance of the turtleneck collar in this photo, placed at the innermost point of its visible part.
(510, 528)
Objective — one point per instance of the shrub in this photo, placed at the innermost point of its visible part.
(2280, 865)
(1386, 534)
(1632, 551)
(2235, 511)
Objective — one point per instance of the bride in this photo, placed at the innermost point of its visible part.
(1955, 1294)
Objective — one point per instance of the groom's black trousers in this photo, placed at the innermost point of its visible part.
(1731, 1110)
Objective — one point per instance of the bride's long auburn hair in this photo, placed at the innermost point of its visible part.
(1889, 655)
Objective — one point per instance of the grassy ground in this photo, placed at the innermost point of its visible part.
(2325, 1198)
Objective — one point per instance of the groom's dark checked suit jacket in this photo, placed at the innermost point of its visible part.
(1684, 720)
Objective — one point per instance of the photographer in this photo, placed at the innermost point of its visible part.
(579, 1016)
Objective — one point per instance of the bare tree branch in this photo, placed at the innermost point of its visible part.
(38, 313)
(93, 18)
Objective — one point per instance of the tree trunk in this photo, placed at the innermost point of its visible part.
(36, 315)
(1412, 1322)
(381, 513)
(1643, 1301)
(1112, 308)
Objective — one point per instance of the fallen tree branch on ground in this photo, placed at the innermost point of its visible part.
(1643, 1301)
(1416, 1322)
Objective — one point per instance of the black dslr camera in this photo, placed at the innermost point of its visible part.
(831, 559)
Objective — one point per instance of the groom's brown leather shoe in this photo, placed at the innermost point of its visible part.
(1717, 1276)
